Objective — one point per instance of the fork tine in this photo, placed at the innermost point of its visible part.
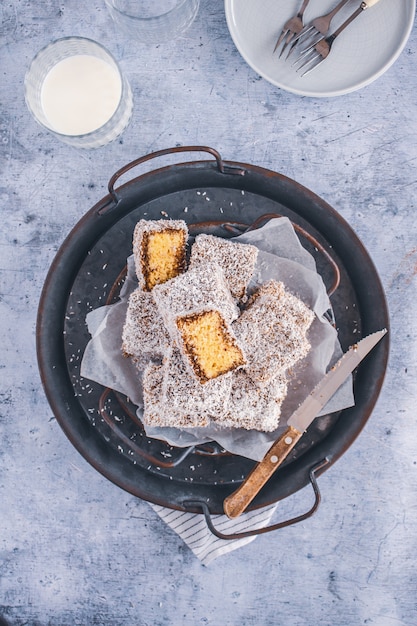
(306, 65)
(313, 35)
(301, 35)
(286, 44)
(304, 54)
(290, 51)
(309, 41)
(306, 60)
(312, 65)
(280, 38)
(296, 40)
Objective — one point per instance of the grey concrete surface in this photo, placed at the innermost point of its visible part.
(76, 549)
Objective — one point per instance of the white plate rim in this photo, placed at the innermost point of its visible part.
(317, 94)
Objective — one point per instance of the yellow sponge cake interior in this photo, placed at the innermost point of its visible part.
(159, 250)
(209, 346)
(162, 256)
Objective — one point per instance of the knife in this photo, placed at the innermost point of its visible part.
(298, 423)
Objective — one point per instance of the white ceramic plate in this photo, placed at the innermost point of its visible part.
(361, 54)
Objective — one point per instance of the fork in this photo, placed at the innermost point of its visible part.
(318, 28)
(291, 28)
(315, 54)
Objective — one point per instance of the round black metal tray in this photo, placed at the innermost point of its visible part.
(223, 198)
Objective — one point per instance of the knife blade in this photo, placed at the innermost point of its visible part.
(237, 502)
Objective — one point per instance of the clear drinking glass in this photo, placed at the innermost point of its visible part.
(74, 88)
(153, 21)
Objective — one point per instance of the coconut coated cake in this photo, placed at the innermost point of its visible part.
(159, 251)
(174, 398)
(273, 331)
(237, 260)
(208, 355)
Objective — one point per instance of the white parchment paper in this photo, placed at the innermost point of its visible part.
(282, 257)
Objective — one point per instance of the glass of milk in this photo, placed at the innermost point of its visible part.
(153, 21)
(75, 89)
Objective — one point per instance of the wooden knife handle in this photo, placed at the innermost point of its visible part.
(237, 502)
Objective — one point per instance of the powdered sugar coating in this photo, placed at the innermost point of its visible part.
(237, 260)
(174, 398)
(272, 331)
(252, 406)
(143, 332)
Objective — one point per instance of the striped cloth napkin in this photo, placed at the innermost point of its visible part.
(194, 532)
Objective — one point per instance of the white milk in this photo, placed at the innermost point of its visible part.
(80, 94)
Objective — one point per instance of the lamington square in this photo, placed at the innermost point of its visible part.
(273, 331)
(237, 260)
(197, 308)
(173, 398)
(202, 288)
(252, 406)
(159, 251)
(144, 333)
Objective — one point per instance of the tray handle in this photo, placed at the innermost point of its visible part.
(221, 166)
(260, 531)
